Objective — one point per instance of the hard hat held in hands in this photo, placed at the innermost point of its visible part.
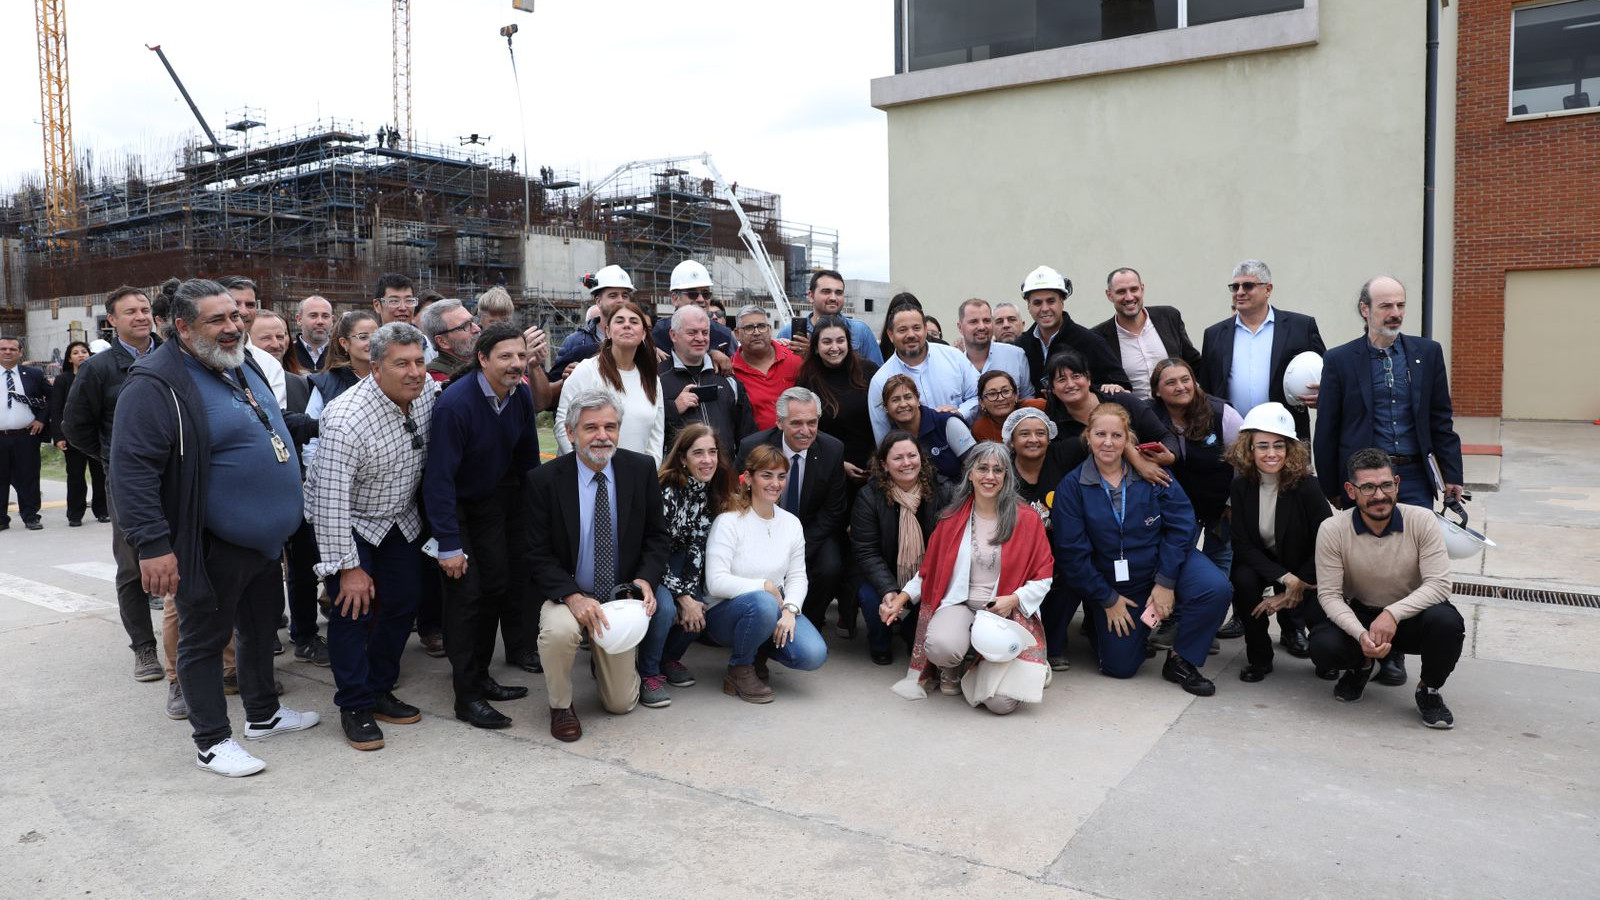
(1304, 371)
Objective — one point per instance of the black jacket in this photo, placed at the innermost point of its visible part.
(1300, 513)
(334, 382)
(59, 392)
(1105, 366)
(875, 533)
(553, 511)
(1292, 334)
(729, 415)
(92, 405)
(822, 496)
(1169, 328)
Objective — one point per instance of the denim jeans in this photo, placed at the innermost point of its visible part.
(880, 637)
(746, 622)
(1218, 544)
(653, 648)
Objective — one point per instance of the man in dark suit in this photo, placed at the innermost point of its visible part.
(23, 417)
(597, 523)
(1388, 391)
(815, 495)
(1142, 336)
(1046, 291)
(1243, 357)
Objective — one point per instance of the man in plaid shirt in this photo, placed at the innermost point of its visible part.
(361, 500)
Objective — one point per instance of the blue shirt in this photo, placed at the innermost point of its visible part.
(585, 574)
(861, 338)
(135, 353)
(254, 500)
(1012, 360)
(944, 378)
(1393, 427)
(1250, 378)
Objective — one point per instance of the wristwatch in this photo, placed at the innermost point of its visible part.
(792, 608)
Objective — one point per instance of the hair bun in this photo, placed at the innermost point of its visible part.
(169, 288)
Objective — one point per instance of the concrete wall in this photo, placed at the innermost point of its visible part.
(1547, 374)
(1308, 157)
(553, 263)
(49, 333)
(737, 272)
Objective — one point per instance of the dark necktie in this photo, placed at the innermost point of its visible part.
(791, 496)
(11, 385)
(605, 545)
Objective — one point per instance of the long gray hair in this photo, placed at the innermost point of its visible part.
(1006, 503)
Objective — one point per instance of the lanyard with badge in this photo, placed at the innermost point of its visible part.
(279, 448)
(1119, 566)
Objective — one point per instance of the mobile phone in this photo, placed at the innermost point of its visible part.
(1151, 447)
(706, 392)
(799, 327)
(430, 547)
(1150, 616)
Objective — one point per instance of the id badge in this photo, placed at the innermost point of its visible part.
(1120, 569)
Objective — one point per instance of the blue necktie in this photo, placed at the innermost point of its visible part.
(791, 496)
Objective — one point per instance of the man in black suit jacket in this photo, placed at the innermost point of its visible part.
(1142, 336)
(1046, 292)
(816, 496)
(23, 416)
(1232, 357)
(575, 544)
(1387, 391)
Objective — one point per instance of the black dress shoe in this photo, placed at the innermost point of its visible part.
(35, 525)
(1253, 673)
(1178, 671)
(1327, 674)
(1391, 670)
(494, 690)
(881, 657)
(102, 519)
(479, 714)
(1233, 628)
(527, 661)
(1295, 644)
(74, 523)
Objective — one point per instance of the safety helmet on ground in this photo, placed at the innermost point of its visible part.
(998, 639)
(627, 620)
(99, 345)
(1272, 417)
(1045, 278)
(610, 277)
(1460, 541)
(690, 274)
(1304, 371)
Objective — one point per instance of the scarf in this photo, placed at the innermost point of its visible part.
(909, 556)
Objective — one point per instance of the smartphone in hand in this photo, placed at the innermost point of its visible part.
(1151, 448)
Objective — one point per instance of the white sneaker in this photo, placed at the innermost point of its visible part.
(284, 720)
(228, 758)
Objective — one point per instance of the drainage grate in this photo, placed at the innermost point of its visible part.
(1527, 595)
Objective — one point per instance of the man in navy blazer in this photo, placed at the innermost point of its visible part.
(1389, 391)
(1243, 357)
(24, 412)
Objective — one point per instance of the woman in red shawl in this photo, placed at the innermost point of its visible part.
(988, 552)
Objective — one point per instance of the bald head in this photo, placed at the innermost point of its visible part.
(1382, 303)
(315, 320)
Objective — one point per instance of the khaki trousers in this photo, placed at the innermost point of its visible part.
(559, 634)
(169, 644)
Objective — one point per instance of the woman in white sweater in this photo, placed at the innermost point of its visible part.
(756, 581)
(626, 368)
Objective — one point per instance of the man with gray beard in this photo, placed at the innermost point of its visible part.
(207, 491)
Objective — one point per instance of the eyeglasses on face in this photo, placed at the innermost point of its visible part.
(1246, 286)
(696, 293)
(1264, 446)
(464, 326)
(397, 302)
(756, 328)
(998, 394)
(1367, 490)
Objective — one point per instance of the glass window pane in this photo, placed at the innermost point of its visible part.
(1202, 12)
(1555, 63)
(948, 32)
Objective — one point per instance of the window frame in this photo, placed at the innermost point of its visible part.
(1511, 70)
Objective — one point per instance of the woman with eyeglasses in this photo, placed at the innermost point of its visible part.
(988, 554)
(893, 515)
(997, 399)
(839, 377)
(1126, 545)
(350, 361)
(1277, 509)
(943, 436)
(1072, 399)
(625, 367)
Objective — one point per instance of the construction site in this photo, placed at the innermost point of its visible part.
(326, 208)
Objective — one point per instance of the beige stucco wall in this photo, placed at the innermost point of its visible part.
(1309, 158)
(1547, 374)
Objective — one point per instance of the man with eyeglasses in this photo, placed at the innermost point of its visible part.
(1142, 336)
(766, 368)
(691, 286)
(1388, 390)
(361, 500)
(1383, 578)
(453, 330)
(1243, 357)
(975, 321)
(395, 300)
(826, 294)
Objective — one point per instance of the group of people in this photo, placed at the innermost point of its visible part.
(727, 482)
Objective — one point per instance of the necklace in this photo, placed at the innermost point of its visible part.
(978, 556)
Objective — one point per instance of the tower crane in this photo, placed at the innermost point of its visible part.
(400, 88)
(55, 116)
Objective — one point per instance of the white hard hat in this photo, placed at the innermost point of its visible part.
(610, 277)
(998, 639)
(688, 274)
(1460, 541)
(1304, 371)
(628, 622)
(1045, 278)
(99, 345)
(1272, 417)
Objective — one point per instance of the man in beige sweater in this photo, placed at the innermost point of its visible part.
(1383, 578)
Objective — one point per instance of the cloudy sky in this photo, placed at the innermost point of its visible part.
(776, 92)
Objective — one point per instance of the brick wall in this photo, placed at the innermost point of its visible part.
(1527, 197)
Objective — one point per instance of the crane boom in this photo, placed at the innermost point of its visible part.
(55, 117)
(400, 52)
(216, 147)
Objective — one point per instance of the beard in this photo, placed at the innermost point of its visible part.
(213, 354)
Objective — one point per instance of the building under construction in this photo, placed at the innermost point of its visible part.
(327, 209)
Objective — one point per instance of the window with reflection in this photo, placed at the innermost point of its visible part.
(1555, 57)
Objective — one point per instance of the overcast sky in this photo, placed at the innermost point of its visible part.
(776, 92)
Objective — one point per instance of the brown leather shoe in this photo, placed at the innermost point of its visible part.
(564, 725)
(432, 644)
(741, 682)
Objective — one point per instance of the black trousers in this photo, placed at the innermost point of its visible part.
(132, 601)
(495, 536)
(302, 553)
(247, 599)
(1436, 634)
(824, 574)
(1247, 587)
(19, 468)
(78, 487)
